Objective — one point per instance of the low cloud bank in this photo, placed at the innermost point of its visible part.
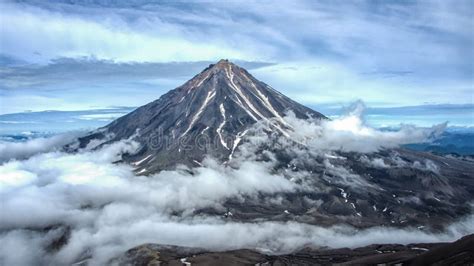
(351, 133)
(22, 150)
(103, 204)
(104, 208)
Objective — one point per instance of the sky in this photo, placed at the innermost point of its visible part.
(69, 65)
(83, 55)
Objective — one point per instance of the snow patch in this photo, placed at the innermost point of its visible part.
(237, 140)
(137, 163)
(264, 100)
(183, 261)
(210, 96)
(219, 129)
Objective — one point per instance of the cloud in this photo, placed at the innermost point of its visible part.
(21, 150)
(425, 109)
(350, 133)
(322, 81)
(365, 34)
(109, 210)
(86, 69)
(24, 124)
(87, 192)
(376, 162)
(73, 36)
(102, 117)
(105, 209)
(340, 52)
(67, 83)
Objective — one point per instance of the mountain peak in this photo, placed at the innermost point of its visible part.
(220, 105)
(223, 64)
(224, 71)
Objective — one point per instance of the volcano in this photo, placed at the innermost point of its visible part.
(207, 116)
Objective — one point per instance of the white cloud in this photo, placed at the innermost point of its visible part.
(365, 34)
(340, 52)
(88, 192)
(20, 150)
(102, 117)
(318, 81)
(350, 133)
(375, 162)
(112, 38)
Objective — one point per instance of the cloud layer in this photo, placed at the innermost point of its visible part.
(210, 30)
(20, 150)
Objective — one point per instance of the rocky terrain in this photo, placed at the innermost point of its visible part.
(460, 252)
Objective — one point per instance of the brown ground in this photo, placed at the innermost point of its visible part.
(460, 252)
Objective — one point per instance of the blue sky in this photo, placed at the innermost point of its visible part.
(78, 55)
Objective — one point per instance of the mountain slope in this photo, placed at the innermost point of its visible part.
(208, 115)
